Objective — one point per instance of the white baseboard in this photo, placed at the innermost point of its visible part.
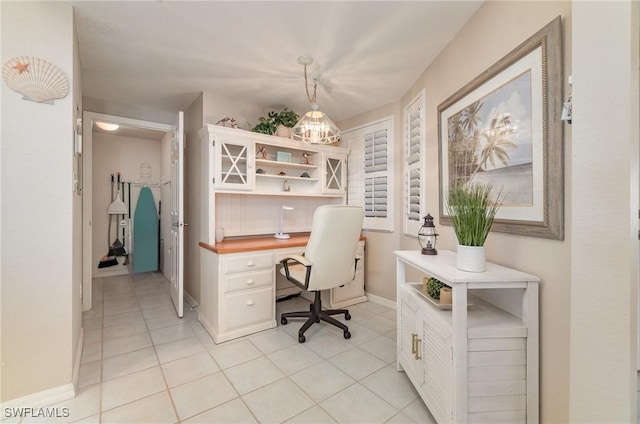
(190, 299)
(382, 301)
(43, 398)
(56, 394)
(76, 365)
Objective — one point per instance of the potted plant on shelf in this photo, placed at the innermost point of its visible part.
(472, 209)
(437, 290)
(278, 123)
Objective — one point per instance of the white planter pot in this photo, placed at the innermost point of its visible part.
(470, 258)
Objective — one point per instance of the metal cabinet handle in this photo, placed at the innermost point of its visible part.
(413, 343)
(417, 354)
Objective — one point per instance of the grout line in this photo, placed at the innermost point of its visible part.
(164, 378)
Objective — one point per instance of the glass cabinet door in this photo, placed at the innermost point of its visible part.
(334, 180)
(234, 164)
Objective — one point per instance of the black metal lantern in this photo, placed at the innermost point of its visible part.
(427, 236)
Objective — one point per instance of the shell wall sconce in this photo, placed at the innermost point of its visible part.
(36, 79)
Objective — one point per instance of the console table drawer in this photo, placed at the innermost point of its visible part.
(251, 262)
(249, 307)
(248, 280)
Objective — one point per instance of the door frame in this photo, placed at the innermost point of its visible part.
(88, 119)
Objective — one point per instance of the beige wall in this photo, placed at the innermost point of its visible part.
(39, 274)
(495, 30)
(604, 226)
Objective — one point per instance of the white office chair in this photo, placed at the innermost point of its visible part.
(329, 261)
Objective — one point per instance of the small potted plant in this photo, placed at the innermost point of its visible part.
(472, 209)
(438, 290)
(278, 123)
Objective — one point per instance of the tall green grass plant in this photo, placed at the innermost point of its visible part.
(472, 210)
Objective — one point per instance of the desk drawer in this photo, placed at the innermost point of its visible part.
(250, 262)
(249, 280)
(249, 307)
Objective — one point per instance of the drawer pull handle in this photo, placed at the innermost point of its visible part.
(250, 263)
(413, 343)
(250, 281)
(249, 302)
(417, 354)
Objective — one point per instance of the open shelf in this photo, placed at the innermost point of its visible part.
(285, 177)
(276, 163)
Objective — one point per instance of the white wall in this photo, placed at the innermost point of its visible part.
(604, 268)
(129, 111)
(39, 275)
(113, 153)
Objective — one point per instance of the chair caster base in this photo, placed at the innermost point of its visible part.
(283, 321)
(347, 335)
(301, 339)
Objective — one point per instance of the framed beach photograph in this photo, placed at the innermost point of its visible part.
(504, 129)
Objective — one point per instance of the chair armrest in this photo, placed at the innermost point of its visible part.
(298, 258)
(301, 260)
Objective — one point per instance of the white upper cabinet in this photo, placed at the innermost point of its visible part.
(234, 164)
(254, 163)
(334, 174)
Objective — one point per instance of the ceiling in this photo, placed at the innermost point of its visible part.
(162, 54)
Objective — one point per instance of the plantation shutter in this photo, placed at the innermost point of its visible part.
(413, 160)
(355, 179)
(370, 173)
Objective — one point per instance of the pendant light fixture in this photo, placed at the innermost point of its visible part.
(314, 127)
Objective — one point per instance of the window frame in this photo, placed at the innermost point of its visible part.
(410, 227)
(355, 142)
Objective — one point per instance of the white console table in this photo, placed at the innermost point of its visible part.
(477, 360)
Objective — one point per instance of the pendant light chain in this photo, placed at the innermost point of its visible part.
(306, 86)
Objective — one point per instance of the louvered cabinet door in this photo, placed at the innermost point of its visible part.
(408, 338)
(437, 355)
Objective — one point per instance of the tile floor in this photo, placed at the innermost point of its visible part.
(143, 364)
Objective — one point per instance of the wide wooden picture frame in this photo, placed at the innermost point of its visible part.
(504, 129)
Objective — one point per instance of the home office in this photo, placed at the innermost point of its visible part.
(582, 331)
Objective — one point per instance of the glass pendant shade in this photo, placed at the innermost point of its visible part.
(315, 127)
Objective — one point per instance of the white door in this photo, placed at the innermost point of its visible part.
(177, 216)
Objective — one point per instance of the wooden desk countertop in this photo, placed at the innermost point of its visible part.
(257, 243)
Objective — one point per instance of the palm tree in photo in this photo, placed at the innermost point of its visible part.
(455, 146)
(496, 143)
(467, 159)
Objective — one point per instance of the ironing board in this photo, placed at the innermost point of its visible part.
(145, 233)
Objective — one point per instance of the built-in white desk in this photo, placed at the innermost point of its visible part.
(239, 283)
